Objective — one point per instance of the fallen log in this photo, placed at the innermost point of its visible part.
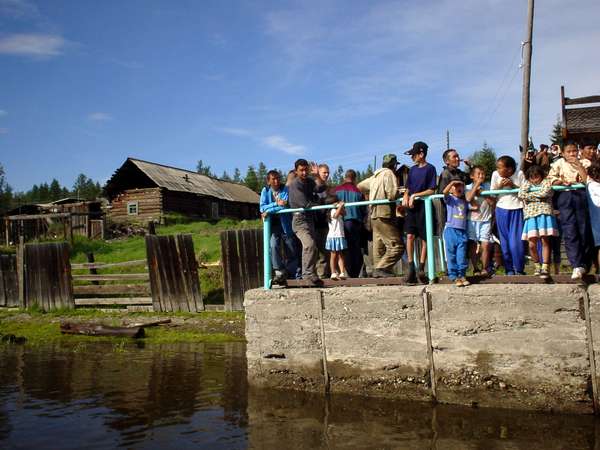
(149, 324)
(101, 330)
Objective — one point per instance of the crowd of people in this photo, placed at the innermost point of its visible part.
(487, 230)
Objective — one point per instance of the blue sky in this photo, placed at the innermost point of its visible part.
(84, 84)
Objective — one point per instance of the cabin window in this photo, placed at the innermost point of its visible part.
(132, 208)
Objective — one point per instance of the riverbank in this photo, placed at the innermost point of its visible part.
(38, 327)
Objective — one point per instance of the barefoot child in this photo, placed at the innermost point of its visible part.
(336, 241)
(540, 223)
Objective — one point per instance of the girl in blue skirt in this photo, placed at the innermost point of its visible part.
(540, 222)
(336, 240)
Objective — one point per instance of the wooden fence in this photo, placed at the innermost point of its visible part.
(47, 276)
(9, 294)
(173, 273)
(241, 256)
(112, 289)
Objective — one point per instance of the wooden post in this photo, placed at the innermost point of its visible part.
(426, 310)
(93, 271)
(70, 219)
(151, 228)
(21, 271)
(7, 226)
(591, 353)
(527, 51)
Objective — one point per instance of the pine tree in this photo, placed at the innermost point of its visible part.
(55, 190)
(262, 173)
(202, 169)
(225, 176)
(84, 188)
(237, 175)
(251, 179)
(556, 137)
(6, 195)
(44, 193)
(486, 157)
(338, 176)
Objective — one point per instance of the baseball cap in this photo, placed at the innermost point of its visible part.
(417, 147)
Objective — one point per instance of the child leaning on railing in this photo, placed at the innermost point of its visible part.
(540, 223)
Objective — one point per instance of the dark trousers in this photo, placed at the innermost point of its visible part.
(354, 260)
(304, 227)
(575, 226)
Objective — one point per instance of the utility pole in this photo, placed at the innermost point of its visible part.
(527, 50)
(447, 139)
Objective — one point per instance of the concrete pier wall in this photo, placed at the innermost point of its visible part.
(515, 346)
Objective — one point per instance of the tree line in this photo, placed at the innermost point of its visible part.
(256, 176)
(84, 188)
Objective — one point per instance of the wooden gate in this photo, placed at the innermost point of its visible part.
(47, 276)
(241, 253)
(9, 293)
(173, 273)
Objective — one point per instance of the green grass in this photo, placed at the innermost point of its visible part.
(207, 246)
(39, 327)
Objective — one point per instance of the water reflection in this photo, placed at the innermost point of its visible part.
(195, 395)
(105, 396)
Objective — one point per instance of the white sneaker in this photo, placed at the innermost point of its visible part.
(343, 276)
(578, 273)
(335, 276)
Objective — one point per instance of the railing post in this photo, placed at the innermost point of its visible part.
(267, 251)
(430, 243)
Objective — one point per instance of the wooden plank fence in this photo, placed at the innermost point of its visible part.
(9, 291)
(47, 276)
(241, 255)
(173, 273)
(136, 296)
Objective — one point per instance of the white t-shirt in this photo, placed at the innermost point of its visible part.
(336, 226)
(594, 191)
(508, 201)
(484, 213)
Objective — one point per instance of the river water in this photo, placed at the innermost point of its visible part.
(102, 395)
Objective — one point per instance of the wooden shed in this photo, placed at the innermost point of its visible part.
(142, 191)
(580, 117)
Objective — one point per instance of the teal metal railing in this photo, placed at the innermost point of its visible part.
(428, 225)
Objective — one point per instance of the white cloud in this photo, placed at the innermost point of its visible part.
(99, 117)
(235, 131)
(32, 44)
(275, 141)
(280, 143)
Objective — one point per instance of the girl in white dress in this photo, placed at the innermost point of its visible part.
(336, 240)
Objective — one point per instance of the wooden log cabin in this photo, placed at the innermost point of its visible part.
(580, 118)
(142, 191)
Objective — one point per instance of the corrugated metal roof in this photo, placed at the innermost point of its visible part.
(181, 180)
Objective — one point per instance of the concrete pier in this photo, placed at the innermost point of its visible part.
(514, 346)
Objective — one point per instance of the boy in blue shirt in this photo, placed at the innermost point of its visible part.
(273, 198)
(455, 231)
(421, 181)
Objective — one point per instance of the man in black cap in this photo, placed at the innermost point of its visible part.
(422, 180)
(383, 185)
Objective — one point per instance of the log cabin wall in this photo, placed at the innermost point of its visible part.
(149, 205)
(189, 204)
